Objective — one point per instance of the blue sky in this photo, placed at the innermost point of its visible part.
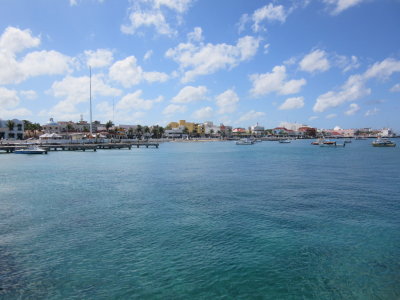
(324, 63)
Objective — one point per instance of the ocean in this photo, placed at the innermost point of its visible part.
(202, 221)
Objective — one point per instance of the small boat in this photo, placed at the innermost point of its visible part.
(31, 150)
(244, 142)
(284, 141)
(380, 142)
(332, 144)
(318, 142)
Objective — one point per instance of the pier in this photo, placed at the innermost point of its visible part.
(9, 148)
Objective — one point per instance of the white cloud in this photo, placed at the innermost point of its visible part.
(203, 113)
(15, 40)
(203, 59)
(292, 103)
(341, 5)
(36, 63)
(29, 94)
(128, 73)
(353, 108)
(251, 115)
(227, 102)
(347, 63)
(172, 109)
(270, 13)
(76, 89)
(266, 48)
(312, 118)
(372, 112)
(196, 35)
(45, 63)
(355, 88)
(152, 13)
(8, 98)
(275, 82)
(395, 88)
(331, 116)
(190, 94)
(134, 101)
(99, 58)
(148, 54)
(315, 61)
(352, 90)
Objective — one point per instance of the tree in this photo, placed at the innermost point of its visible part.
(109, 124)
(130, 132)
(311, 132)
(211, 132)
(10, 125)
(70, 127)
(139, 131)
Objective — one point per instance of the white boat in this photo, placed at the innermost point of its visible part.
(31, 150)
(244, 142)
(382, 142)
(284, 141)
(332, 144)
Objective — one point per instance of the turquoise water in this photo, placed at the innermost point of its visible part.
(202, 221)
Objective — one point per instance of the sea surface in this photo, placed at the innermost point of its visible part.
(202, 221)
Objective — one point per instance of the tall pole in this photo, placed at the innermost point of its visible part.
(90, 97)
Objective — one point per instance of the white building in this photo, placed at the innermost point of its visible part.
(209, 128)
(292, 126)
(257, 129)
(16, 131)
(386, 132)
(51, 127)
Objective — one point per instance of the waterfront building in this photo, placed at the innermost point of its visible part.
(51, 127)
(16, 131)
(257, 130)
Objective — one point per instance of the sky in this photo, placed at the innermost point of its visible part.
(323, 63)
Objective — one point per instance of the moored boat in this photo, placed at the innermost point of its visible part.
(381, 142)
(244, 142)
(31, 150)
(284, 141)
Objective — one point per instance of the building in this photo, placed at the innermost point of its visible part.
(257, 130)
(12, 129)
(51, 127)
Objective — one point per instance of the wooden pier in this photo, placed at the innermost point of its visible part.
(9, 148)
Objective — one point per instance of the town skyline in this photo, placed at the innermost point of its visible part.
(320, 63)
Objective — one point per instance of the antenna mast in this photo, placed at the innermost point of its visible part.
(90, 98)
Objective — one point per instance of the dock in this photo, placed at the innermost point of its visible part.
(9, 148)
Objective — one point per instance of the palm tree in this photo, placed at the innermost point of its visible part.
(139, 131)
(109, 124)
(10, 125)
(130, 132)
(70, 127)
(160, 131)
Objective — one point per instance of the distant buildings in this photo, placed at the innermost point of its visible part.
(12, 129)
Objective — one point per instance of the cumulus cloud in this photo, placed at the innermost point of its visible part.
(154, 14)
(268, 13)
(353, 108)
(36, 63)
(28, 94)
(190, 94)
(99, 58)
(355, 87)
(292, 103)
(9, 101)
(395, 88)
(134, 101)
(8, 98)
(331, 116)
(227, 102)
(275, 82)
(315, 61)
(196, 58)
(251, 115)
(371, 112)
(203, 113)
(148, 54)
(339, 6)
(347, 63)
(172, 109)
(15, 40)
(128, 73)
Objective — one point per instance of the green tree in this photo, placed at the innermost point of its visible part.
(70, 127)
(10, 125)
(139, 131)
(109, 124)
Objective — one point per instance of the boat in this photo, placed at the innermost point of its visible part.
(347, 141)
(244, 142)
(31, 150)
(332, 144)
(383, 142)
(318, 142)
(284, 141)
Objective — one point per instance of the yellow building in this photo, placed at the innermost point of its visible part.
(191, 127)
